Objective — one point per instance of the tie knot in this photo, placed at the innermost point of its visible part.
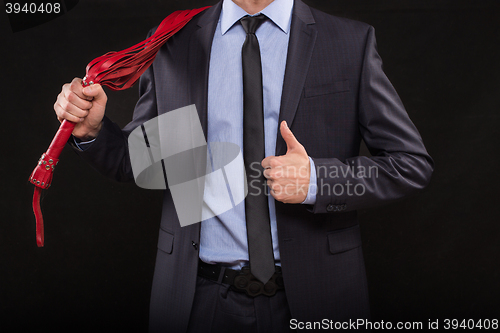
(252, 23)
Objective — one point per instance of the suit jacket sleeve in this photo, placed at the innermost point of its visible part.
(399, 164)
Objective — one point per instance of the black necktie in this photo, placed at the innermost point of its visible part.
(260, 248)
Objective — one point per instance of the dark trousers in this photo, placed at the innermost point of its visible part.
(218, 309)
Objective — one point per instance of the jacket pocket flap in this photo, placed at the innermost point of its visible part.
(324, 89)
(165, 241)
(344, 240)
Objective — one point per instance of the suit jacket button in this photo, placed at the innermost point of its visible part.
(330, 208)
(194, 245)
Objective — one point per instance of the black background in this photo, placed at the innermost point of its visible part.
(433, 256)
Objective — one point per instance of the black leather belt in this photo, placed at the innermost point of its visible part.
(242, 280)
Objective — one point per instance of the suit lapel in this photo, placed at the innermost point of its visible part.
(200, 45)
(300, 48)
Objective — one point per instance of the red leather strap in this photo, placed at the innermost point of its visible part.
(120, 70)
(38, 215)
(117, 70)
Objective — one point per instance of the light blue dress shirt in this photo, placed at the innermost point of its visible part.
(224, 237)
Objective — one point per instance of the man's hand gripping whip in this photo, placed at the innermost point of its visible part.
(117, 70)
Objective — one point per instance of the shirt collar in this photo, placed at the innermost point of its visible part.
(279, 11)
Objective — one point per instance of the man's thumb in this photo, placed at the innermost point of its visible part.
(94, 91)
(291, 141)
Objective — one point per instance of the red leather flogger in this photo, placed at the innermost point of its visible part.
(117, 70)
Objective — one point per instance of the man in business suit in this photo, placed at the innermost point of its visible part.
(323, 91)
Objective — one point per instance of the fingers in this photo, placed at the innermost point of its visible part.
(96, 93)
(76, 87)
(69, 112)
(288, 192)
(71, 103)
(273, 168)
(71, 108)
(76, 97)
(267, 173)
(271, 162)
(280, 192)
(287, 176)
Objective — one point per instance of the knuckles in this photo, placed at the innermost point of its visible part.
(274, 162)
(71, 97)
(66, 99)
(76, 84)
(273, 174)
(64, 104)
(280, 196)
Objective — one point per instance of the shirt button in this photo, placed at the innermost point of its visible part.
(330, 208)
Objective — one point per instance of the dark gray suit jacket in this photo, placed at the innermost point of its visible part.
(335, 94)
